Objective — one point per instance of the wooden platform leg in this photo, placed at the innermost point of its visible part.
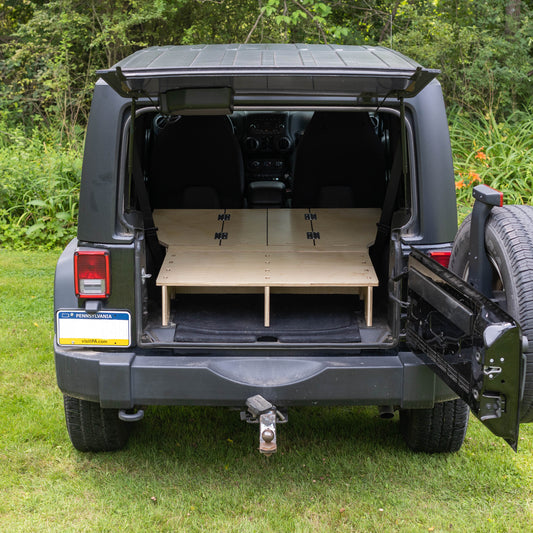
(165, 306)
(267, 307)
(368, 306)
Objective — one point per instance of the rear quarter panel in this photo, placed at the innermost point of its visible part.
(437, 206)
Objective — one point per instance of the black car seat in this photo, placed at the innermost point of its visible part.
(340, 162)
(195, 163)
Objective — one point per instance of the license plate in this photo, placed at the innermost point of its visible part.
(104, 328)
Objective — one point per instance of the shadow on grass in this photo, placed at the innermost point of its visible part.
(198, 468)
(202, 447)
(209, 430)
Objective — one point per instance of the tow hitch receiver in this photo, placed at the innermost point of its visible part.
(267, 415)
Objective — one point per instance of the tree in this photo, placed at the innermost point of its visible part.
(50, 49)
(512, 16)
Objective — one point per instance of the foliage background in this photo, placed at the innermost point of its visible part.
(169, 479)
(51, 49)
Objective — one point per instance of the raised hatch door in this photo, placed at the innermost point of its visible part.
(264, 69)
(469, 342)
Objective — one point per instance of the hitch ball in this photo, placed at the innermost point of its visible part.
(268, 435)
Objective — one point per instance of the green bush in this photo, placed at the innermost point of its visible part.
(39, 188)
(40, 174)
(498, 153)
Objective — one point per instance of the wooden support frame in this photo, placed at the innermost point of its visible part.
(282, 250)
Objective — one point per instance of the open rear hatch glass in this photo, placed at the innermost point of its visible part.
(360, 71)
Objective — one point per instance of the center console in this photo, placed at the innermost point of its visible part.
(267, 147)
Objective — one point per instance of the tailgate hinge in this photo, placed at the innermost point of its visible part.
(491, 406)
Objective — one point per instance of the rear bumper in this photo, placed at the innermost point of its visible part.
(128, 378)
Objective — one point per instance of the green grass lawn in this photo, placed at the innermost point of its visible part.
(197, 469)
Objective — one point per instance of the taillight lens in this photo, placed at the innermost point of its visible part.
(443, 258)
(91, 274)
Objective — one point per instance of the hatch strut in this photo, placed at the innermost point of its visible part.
(131, 144)
(403, 137)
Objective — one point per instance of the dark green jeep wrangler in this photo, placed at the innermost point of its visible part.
(265, 226)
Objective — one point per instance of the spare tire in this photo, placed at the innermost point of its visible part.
(509, 245)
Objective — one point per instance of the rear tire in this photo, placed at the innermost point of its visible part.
(93, 429)
(441, 429)
(509, 244)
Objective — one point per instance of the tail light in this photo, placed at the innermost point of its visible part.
(443, 258)
(91, 274)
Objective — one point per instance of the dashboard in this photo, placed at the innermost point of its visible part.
(268, 141)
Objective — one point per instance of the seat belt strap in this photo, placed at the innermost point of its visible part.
(150, 231)
(135, 171)
(384, 224)
(400, 167)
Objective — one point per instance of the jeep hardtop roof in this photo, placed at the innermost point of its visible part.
(362, 71)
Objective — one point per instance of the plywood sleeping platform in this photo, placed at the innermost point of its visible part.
(264, 250)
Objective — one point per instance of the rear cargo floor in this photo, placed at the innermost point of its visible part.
(231, 318)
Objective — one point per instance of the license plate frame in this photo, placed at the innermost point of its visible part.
(109, 328)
